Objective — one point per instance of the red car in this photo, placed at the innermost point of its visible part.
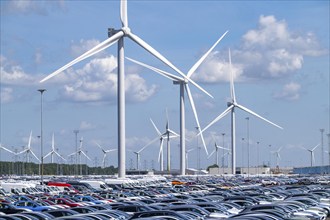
(65, 201)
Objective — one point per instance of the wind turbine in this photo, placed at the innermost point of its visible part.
(217, 147)
(28, 150)
(231, 108)
(52, 152)
(186, 155)
(184, 87)
(167, 134)
(118, 36)
(79, 153)
(277, 155)
(105, 152)
(312, 153)
(137, 153)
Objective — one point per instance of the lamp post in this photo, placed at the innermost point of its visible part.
(41, 137)
(270, 155)
(76, 159)
(223, 153)
(322, 147)
(248, 144)
(258, 157)
(329, 152)
(243, 153)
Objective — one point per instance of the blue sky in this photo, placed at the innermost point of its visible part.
(280, 57)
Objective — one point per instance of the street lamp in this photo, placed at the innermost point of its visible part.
(322, 147)
(76, 159)
(223, 153)
(248, 144)
(41, 137)
(258, 157)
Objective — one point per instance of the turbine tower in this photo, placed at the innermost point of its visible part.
(231, 108)
(187, 153)
(118, 36)
(52, 152)
(184, 86)
(105, 152)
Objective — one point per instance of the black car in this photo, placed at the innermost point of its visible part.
(10, 209)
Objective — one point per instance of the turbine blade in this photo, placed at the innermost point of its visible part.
(30, 138)
(35, 155)
(99, 146)
(198, 63)
(123, 13)
(102, 46)
(85, 155)
(192, 104)
(59, 155)
(72, 154)
(110, 150)
(157, 130)
(53, 143)
(2, 147)
(232, 87)
(48, 154)
(155, 53)
(161, 72)
(151, 142)
(315, 147)
(223, 114)
(211, 154)
(255, 114)
(173, 132)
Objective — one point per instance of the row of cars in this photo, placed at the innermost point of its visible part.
(186, 197)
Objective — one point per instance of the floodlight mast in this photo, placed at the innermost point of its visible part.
(41, 138)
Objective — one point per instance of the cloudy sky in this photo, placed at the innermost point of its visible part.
(280, 61)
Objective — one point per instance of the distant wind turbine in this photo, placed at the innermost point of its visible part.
(167, 134)
(187, 152)
(231, 108)
(28, 150)
(312, 153)
(105, 152)
(118, 36)
(137, 153)
(52, 152)
(80, 152)
(278, 156)
(184, 86)
(217, 147)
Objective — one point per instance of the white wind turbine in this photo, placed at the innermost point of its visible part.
(80, 152)
(28, 150)
(105, 152)
(186, 154)
(184, 86)
(167, 134)
(118, 36)
(137, 153)
(278, 156)
(312, 154)
(216, 149)
(231, 108)
(52, 152)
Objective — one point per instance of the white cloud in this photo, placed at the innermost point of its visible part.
(84, 125)
(84, 45)
(32, 7)
(290, 91)
(271, 50)
(12, 74)
(6, 95)
(97, 82)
